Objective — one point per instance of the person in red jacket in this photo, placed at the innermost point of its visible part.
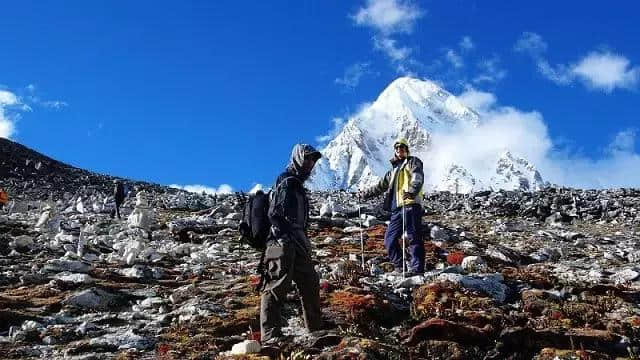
(4, 198)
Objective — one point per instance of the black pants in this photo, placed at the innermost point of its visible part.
(116, 211)
(285, 261)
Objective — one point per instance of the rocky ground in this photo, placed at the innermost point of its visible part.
(546, 275)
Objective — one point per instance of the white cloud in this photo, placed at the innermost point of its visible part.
(617, 167)
(466, 43)
(7, 127)
(453, 58)
(353, 74)
(606, 71)
(598, 70)
(480, 101)
(8, 100)
(389, 47)
(54, 104)
(559, 74)
(624, 141)
(525, 134)
(531, 43)
(338, 124)
(388, 16)
(490, 71)
(12, 105)
(222, 189)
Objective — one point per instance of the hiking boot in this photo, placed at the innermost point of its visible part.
(275, 341)
(411, 273)
(272, 347)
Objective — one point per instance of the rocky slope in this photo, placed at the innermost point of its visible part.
(551, 274)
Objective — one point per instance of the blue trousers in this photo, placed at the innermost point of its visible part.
(393, 237)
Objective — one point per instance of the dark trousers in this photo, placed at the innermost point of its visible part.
(287, 261)
(116, 211)
(393, 237)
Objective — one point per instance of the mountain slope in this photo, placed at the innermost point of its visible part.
(27, 173)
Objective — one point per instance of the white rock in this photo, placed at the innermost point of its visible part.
(439, 234)
(624, 276)
(473, 264)
(142, 216)
(467, 245)
(326, 209)
(94, 299)
(75, 278)
(59, 265)
(411, 282)
(22, 241)
(82, 241)
(30, 325)
(490, 284)
(329, 240)
(136, 272)
(80, 206)
(246, 347)
(126, 340)
(352, 229)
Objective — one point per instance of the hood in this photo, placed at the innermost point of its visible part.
(298, 154)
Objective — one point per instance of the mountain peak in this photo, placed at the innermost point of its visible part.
(408, 107)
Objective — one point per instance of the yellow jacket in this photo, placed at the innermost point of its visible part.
(407, 176)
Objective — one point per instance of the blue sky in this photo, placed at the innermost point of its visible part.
(217, 92)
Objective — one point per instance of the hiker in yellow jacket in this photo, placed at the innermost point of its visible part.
(402, 186)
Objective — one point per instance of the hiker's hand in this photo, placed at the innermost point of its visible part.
(408, 195)
(276, 232)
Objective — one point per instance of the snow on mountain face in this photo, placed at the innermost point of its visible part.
(458, 180)
(515, 173)
(408, 108)
(414, 109)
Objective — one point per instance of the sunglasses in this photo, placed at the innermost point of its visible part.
(401, 147)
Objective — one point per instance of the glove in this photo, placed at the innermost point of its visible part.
(408, 195)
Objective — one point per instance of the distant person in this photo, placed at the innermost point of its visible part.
(4, 199)
(402, 187)
(118, 194)
(287, 256)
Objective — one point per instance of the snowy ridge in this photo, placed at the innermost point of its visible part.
(516, 173)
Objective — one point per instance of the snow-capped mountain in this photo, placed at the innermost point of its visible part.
(514, 172)
(457, 179)
(414, 109)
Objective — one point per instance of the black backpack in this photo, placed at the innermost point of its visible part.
(255, 225)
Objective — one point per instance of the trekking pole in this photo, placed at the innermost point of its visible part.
(361, 237)
(404, 236)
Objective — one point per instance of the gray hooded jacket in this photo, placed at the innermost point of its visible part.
(289, 205)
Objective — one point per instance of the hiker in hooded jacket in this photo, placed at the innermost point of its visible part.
(402, 188)
(287, 255)
(119, 195)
